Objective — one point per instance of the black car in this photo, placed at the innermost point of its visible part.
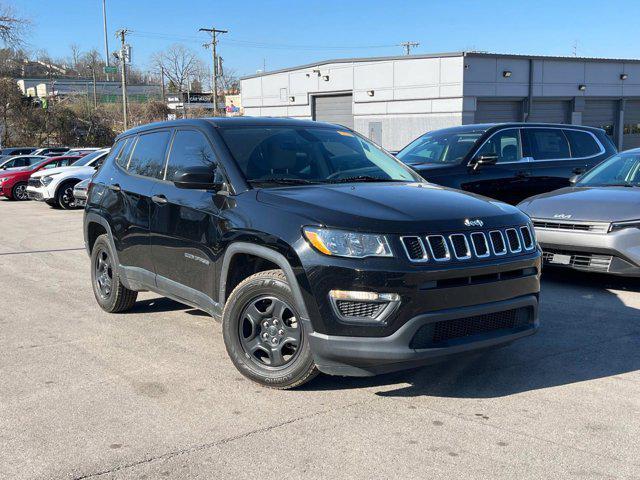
(317, 250)
(509, 161)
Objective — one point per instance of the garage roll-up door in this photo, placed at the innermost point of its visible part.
(498, 111)
(601, 114)
(631, 138)
(550, 111)
(334, 109)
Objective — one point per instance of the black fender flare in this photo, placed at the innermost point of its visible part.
(268, 254)
(91, 217)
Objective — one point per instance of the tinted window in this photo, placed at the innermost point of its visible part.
(505, 144)
(121, 151)
(310, 154)
(439, 147)
(189, 149)
(148, 154)
(582, 143)
(546, 143)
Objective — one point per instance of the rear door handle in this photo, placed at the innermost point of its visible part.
(115, 187)
(159, 199)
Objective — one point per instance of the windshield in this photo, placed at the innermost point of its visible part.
(620, 170)
(439, 147)
(300, 155)
(87, 158)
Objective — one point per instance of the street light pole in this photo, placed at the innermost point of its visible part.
(123, 69)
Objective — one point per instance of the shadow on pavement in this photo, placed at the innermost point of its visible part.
(587, 332)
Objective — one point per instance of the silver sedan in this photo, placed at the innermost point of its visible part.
(595, 224)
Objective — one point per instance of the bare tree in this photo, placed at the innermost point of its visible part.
(12, 27)
(178, 64)
(75, 55)
(229, 81)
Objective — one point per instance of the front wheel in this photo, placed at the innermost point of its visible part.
(110, 293)
(263, 332)
(64, 196)
(19, 191)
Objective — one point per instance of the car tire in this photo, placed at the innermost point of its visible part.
(260, 319)
(19, 191)
(64, 196)
(110, 293)
(52, 203)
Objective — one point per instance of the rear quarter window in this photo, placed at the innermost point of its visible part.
(582, 143)
(149, 154)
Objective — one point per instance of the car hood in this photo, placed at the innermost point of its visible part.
(57, 170)
(431, 167)
(14, 170)
(596, 204)
(390, 207)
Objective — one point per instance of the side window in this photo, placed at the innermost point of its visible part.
(148, 154)
(505, 144)
(546, 143)
(122, 155)
(582, 144)
(190, 148)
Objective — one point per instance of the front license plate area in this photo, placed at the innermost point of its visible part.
(559, 259)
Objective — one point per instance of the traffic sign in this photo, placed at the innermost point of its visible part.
(110, 69)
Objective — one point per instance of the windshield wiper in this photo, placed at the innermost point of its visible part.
(364, 178)
(285, 181)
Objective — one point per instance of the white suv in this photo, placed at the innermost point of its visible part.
(55, 186)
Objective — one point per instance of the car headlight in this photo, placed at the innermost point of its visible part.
(46, 180)
(341, 243)
(616, 226)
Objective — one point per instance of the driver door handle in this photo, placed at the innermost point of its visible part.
(159, 199)
(523, 174)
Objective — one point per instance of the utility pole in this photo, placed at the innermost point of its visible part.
(95, 95)
(106, 42)
(162, 83)
(214, 41)
(122, 33)
(409, 45)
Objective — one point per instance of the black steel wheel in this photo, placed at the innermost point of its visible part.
(19, 191)
(110, 293)
(264, 334)
(270, 332)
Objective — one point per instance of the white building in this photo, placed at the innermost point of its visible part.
(393, 100)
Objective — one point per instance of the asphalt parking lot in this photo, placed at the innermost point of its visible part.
(152, 394)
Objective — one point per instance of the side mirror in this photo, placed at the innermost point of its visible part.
(483, 160)
(197, 178)
(574, 179)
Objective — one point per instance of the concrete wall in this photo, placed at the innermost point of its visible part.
(410, 96)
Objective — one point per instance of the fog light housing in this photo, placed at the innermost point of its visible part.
(363, 308)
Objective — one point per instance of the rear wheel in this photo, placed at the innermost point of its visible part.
(110, 293)
(19, 191)
(263, 332)
(64, 196)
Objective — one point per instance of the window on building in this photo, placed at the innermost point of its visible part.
(190, 149)
(546, 143)
(582, 144)
(148, 154)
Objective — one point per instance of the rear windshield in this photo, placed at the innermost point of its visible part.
(310, 155)
(437, 147)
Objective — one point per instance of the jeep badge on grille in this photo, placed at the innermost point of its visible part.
(473, 223)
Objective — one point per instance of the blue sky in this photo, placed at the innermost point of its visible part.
(286, 33)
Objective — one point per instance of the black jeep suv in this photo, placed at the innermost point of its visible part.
(507, 161)
(316, 250)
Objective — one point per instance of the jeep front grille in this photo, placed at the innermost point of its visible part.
(468, 245)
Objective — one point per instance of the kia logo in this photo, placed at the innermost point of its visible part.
(562, 216)
(473, 223)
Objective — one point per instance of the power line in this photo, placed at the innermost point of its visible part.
(409, 45)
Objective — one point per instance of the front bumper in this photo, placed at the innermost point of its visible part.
(366, 356)
(616, 253)
(38, 193)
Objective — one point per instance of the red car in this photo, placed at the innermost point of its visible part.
(13, 181)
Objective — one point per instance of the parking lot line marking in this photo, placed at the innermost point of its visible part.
(44, 251)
